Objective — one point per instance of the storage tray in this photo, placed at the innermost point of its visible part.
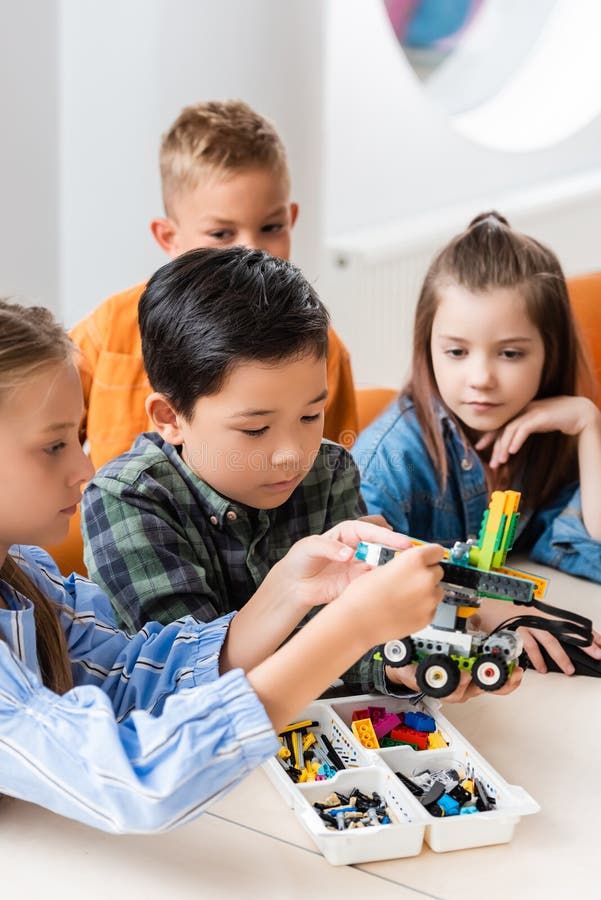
(374, 770)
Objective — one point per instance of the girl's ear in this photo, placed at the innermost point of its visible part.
(164, 418)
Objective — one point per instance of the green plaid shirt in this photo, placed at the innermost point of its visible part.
(163, 544)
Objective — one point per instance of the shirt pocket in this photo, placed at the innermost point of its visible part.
(116, 413)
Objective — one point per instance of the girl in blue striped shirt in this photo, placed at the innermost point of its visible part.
(140, 732)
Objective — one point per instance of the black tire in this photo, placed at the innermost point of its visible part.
(490, 672)
(437, 675)
(399, 653)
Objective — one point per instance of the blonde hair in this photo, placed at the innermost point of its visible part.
(31, 340)
(219, 138)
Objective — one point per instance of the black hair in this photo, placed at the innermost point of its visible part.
(210, 309)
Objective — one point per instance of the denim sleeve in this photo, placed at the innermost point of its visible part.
(146, 774)
(135, 671)
(556, 536)
(380, 500)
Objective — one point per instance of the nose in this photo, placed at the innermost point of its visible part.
(481, 372)
(254, 240)
(81, 469)
(286, 458)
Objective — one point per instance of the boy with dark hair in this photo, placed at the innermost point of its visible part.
(194, 516)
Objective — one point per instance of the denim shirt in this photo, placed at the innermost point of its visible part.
(149, 735)
(399, 481)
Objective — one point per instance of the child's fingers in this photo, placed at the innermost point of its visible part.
(500, 452)
(431, 555)
(324, 547)
(464, 690)
(486, 440)
(594, 649)
(403, 675)
(357, 530)
(512, 683)
(553, 648)
(376, 520)
(533, 651)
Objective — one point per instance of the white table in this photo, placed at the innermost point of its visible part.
(545, 737)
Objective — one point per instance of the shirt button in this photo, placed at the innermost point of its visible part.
(231, 515)
(466, 464)
(213, 520)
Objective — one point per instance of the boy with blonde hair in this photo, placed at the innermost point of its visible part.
(225, 182)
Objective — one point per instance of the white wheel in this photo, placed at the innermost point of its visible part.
(398, 653)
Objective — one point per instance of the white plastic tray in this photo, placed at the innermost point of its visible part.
(373, 770)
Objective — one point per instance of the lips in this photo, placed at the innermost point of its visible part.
(482, 405)
(283, 485)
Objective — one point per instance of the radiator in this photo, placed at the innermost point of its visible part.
(372, 277)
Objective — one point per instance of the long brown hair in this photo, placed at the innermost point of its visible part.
(487, 255)
(31, 340)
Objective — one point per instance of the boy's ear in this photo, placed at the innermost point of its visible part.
(164, 418)
(164, 232)
(293, 213)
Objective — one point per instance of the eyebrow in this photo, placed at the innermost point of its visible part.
(59, 426)
(249, 413)
(219, 221)
(504, 340)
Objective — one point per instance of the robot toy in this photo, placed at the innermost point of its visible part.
(472, 570)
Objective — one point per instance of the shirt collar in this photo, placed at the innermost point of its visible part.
(219, 509)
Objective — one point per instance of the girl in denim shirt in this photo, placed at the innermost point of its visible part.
(140, 732)
(494, 402)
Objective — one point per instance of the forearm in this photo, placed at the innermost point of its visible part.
(305, 666)
(589, 460)
(262, 624)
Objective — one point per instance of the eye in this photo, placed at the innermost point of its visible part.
(313, 418)
(271, 229)
(221, 235)
(456, 352)
(55, 449)
(257, 433)
(512, 354)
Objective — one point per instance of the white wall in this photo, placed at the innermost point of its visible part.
(88, 86)
(29, 146)
(127, 68)
(392, 153)
(400, 181)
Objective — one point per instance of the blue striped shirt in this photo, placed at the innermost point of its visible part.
(149, 735)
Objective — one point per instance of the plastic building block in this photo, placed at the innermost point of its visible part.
(472, 570)
(420, 721)
(419, 739)
(385, 724)
(436, 740)
(375, 713)
(365, 734)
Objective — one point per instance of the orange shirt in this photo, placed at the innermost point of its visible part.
(115, 385)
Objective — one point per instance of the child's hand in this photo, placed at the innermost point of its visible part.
(492, 612)
(376, 519)
(534, 639)
(570, 415)
(398, 598)
(465, 690)
(318, 568)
